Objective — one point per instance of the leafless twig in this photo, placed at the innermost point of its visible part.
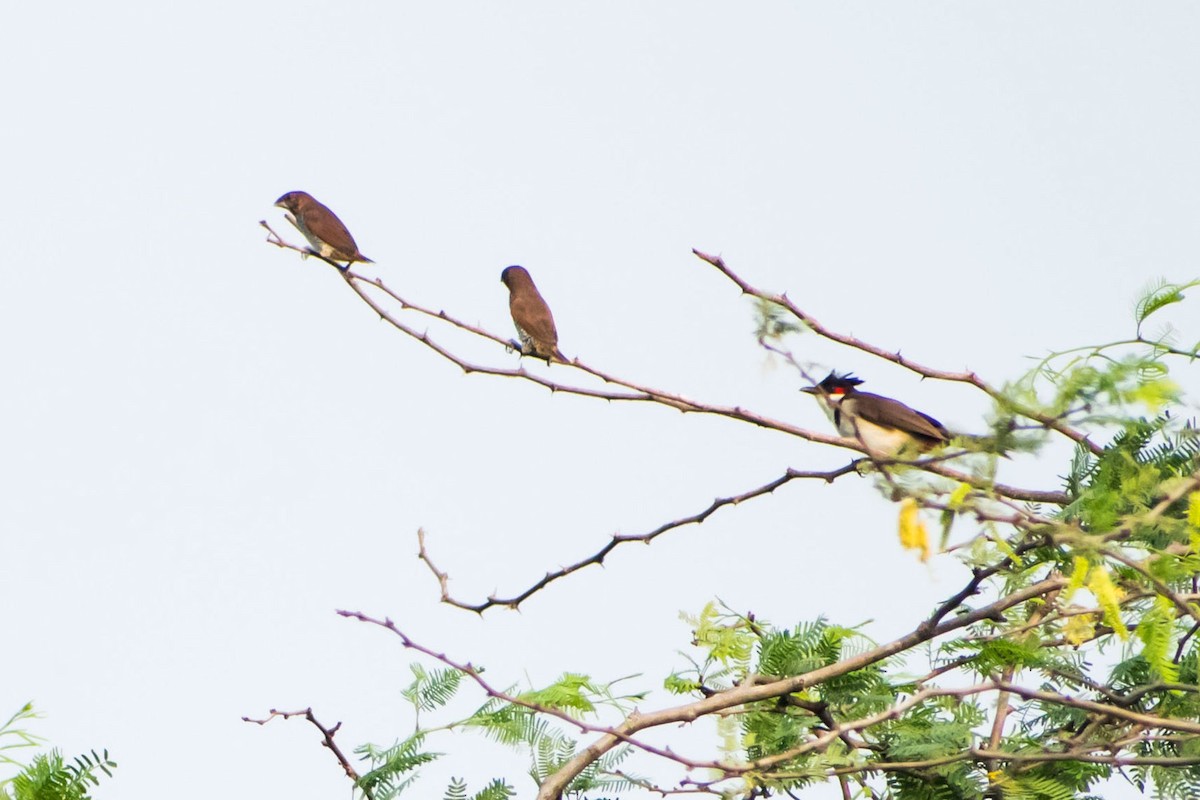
(618, 539)
(327, 735)
(277, 240)
(635, 392)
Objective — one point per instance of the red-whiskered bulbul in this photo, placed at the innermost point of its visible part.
(884, 426)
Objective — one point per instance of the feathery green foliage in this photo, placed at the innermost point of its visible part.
(1157, 296)
(13, 737)
(1070, 655)
(431, 690)
(498, 789)
(773, 321)
(50, 777)
(393, 769)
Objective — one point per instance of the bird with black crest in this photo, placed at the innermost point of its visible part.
(885, 427)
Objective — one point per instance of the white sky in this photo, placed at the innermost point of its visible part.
(209, 445)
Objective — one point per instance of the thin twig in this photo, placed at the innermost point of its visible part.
(277, 240)
(327, 735)
(638, 392)
(1146, 720)
(476, 675)
(977, 753)
(1160, 587)
(618, 539)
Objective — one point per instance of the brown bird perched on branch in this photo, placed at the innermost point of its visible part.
(531, 315)
(324, 231)
(884, 426)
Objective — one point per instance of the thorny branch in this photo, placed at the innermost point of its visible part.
(630, 391)
(896, 357)
(760, 688)
(327, 735)
(618, 539)
(553, 787)
(954, 614)
(475, 674)
(983, 754)
(749, 692)
(636, 392)
(1183, 606)
(641, 393)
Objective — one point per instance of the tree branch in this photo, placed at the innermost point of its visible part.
(636, 392)
(618, 539)
(1148, 721)
(327, 735)
(475, 674)
(556, 783)
(969, 378)
(645, 394)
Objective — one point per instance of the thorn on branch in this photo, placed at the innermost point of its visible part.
(327, 741)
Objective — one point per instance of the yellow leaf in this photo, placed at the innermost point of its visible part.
(1101, 585)
(1194, 510)
(913, 534)
(1156, 394)
(958, 495)
(1079, 571)
(1004, 547)
(1080, 629)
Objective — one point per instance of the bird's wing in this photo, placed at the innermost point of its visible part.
(325, 225)
(894, 414)
(532, 315)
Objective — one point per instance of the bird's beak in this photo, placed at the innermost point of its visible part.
(811, 390)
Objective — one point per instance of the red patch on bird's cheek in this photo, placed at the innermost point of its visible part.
(838, 390)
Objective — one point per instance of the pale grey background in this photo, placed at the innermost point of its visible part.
(209, 445)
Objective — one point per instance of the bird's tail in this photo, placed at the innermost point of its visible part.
(987, 443)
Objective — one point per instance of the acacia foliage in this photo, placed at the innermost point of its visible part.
(1070, 656)
(47, 776)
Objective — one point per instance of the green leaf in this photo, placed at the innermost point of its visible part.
(391, 767)
(1157, 296)
(432, 690)
(1155, 629)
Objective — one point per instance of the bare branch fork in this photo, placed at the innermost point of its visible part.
(327, 741)
(277, 240)
(618, 539)
(513, 601)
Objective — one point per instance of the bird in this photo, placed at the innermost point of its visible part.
(531, 315)
(884, 426)
(324, 231)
